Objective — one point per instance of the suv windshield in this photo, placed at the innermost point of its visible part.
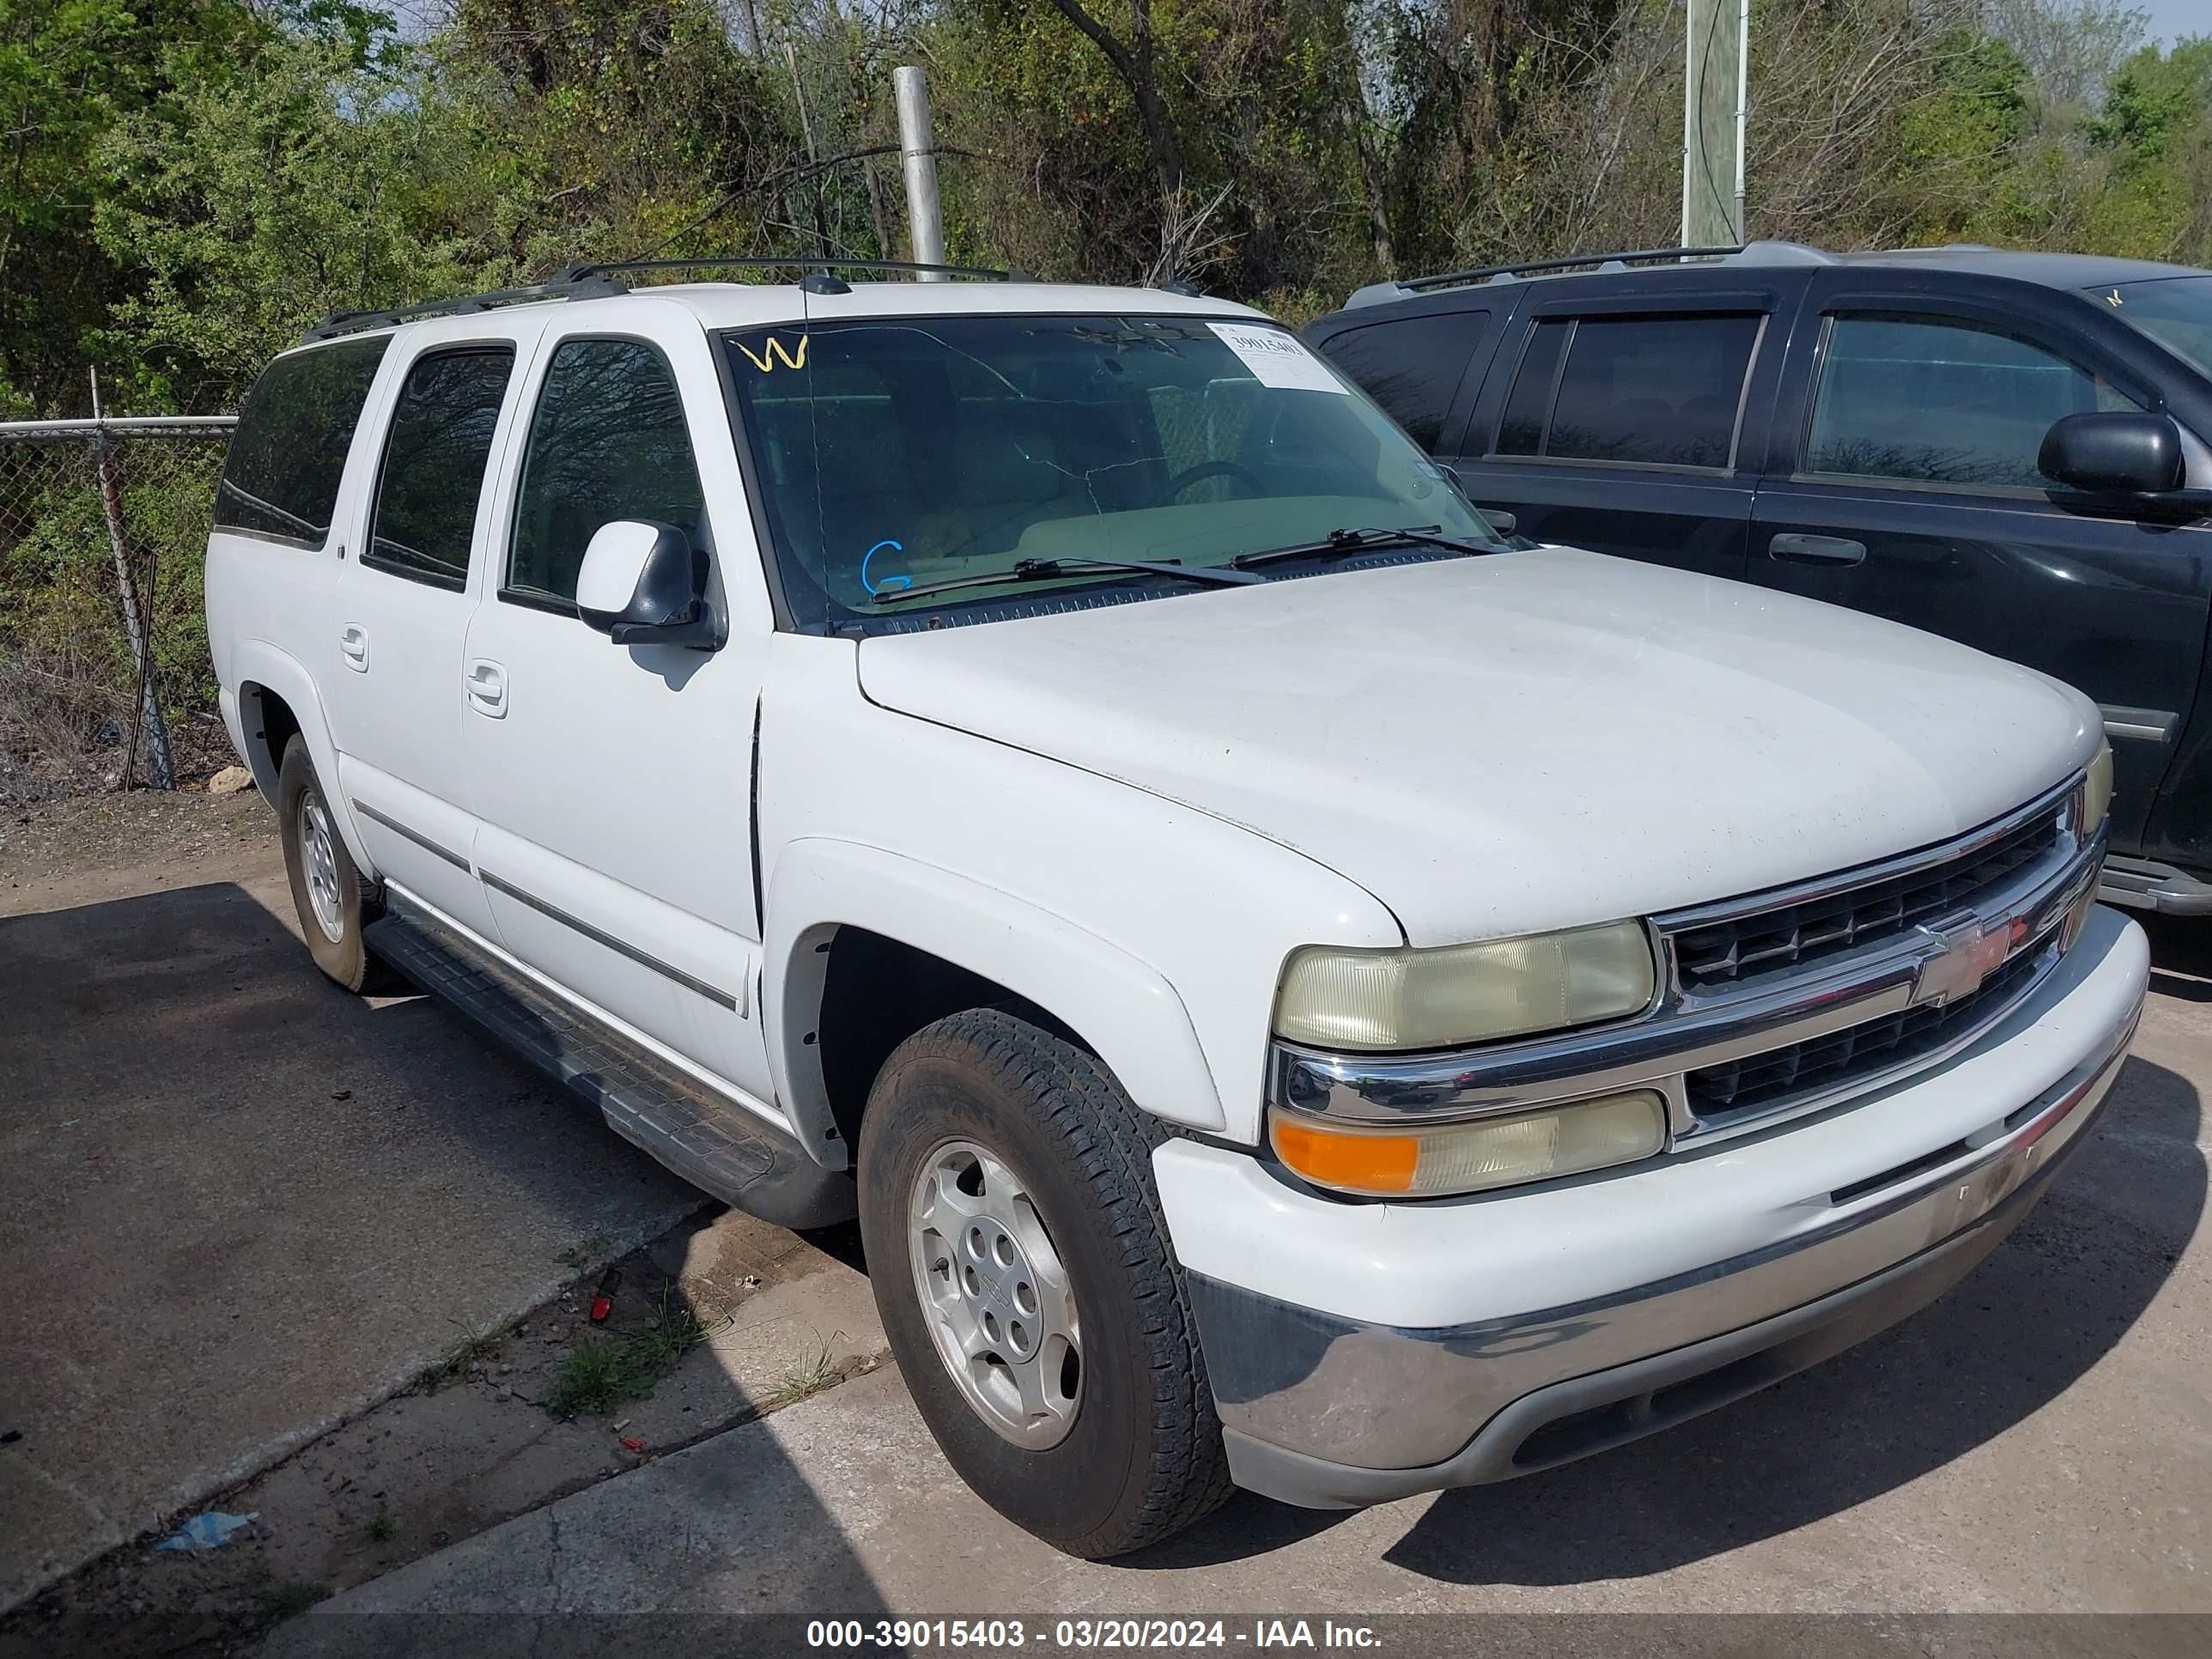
(902, 452)
(2175, 310)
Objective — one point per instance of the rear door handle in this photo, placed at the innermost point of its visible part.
(353, 645)
(1816, 549)
(487, 687)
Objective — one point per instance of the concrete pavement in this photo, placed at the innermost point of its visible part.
(238, 1205)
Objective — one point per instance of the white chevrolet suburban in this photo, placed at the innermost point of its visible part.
(1299, 991)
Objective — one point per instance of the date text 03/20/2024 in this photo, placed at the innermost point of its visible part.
(985, 1634)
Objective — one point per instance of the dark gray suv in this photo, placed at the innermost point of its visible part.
(2008, 448)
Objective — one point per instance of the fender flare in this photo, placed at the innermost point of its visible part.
(258, 663)
(1133, 1019)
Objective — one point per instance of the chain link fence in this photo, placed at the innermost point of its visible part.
(104, 670)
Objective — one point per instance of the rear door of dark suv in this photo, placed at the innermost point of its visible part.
(1904, 483)
(1626, 413)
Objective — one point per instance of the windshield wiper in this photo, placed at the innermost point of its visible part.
(1344, 542)
(1038, 570)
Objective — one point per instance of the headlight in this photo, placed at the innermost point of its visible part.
(1436, 998)
(1430, 1160)
(2097, 792)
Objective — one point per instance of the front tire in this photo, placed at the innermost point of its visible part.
(334, 900)
(1022, 1268)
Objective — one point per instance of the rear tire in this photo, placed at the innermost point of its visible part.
(334, 900)
(1087, 1419)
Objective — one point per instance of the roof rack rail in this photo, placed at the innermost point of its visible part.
(597, 281)
(566, 286)
(1768, 252)
(618, 268)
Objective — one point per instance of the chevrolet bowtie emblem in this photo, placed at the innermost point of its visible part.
(1971, 952)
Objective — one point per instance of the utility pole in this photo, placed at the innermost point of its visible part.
(1713, 92)
(918, 151)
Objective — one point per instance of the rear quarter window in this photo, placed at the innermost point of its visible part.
(280, 478)
(1412, 366)
(1648, 391)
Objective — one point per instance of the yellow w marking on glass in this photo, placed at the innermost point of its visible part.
(775, 353)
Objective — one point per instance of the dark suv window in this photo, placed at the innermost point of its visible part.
(1938, 402)
(608, 442)
(434, 457)
(1411, 366)
(281, 478)
(1657, 390)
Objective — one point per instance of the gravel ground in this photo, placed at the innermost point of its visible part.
(83, 849)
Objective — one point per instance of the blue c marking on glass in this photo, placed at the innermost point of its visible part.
(903, 581)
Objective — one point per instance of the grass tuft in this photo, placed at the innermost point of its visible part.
(475, 1347)
(381, 1525)
(602, 1372)
(794, 1386)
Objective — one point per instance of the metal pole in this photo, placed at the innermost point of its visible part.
(1713, 124)
(160, 770)
(917, 148)
(1743, 101)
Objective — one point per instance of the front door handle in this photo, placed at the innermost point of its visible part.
(1816, 549)
(353, 645)
(487, 687)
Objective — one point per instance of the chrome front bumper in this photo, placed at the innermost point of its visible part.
(1329, 1412)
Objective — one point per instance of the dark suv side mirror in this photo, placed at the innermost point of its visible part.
(2123, 451)
(643, 583)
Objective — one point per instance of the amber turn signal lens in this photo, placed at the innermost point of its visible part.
(1435, 1160)
(1355, 1160)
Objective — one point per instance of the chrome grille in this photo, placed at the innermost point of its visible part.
(1716, 1093)
(1730, 953)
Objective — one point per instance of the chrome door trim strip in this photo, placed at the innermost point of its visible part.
(415, 836)
(599, 937)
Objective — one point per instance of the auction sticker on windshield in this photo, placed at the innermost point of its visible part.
(1277, 359)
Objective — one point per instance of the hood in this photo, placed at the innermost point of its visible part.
(1500, 745)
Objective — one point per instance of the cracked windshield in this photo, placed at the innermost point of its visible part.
(896, 456)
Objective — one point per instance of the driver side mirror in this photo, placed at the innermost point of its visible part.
(2116, 452)
(643, 583)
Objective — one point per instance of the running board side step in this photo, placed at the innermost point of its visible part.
(715, 1144)
(2146, 884)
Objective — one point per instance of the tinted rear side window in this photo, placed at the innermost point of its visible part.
(434, 457)
(281, 478)
(1412, 367)
(1658, 391)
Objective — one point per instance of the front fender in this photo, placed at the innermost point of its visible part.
(1131, 1017)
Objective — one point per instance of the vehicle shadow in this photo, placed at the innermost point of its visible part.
(240, 1206)
(2180, 955)
(2053, 1300)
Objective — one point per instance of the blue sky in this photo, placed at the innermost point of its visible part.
(2172, 18)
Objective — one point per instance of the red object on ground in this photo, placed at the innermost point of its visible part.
(602, 1299)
